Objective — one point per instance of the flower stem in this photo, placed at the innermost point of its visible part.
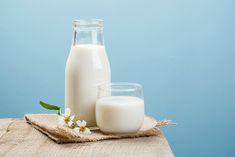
(58, 112)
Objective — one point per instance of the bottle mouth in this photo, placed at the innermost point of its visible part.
(88, 24)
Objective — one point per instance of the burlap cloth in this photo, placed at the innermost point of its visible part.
(48, 124)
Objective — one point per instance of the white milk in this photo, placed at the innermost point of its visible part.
(119, 114)
(87, 67)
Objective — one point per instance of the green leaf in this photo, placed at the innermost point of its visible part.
(49, 106)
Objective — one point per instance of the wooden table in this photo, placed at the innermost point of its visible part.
(17, 138)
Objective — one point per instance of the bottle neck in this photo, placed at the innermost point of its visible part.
(88, 37)
(88, 32)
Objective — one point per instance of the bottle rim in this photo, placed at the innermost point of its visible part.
(88, 23)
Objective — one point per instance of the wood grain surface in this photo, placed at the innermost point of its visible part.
(19, 139)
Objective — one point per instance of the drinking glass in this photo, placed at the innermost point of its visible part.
(120, 107)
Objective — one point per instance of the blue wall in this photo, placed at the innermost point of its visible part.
(183, 52)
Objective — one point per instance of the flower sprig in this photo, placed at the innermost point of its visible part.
(67, 120)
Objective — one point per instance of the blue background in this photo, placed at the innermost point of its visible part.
(183, 52)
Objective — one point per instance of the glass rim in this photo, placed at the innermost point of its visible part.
(125, 86)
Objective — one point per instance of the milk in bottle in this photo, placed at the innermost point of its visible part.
(87, 67)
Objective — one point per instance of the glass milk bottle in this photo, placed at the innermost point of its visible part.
(87, 67)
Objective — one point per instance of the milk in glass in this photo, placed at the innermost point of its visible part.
(120, 114)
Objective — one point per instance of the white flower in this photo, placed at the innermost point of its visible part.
(66, 119)
(82, 127)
